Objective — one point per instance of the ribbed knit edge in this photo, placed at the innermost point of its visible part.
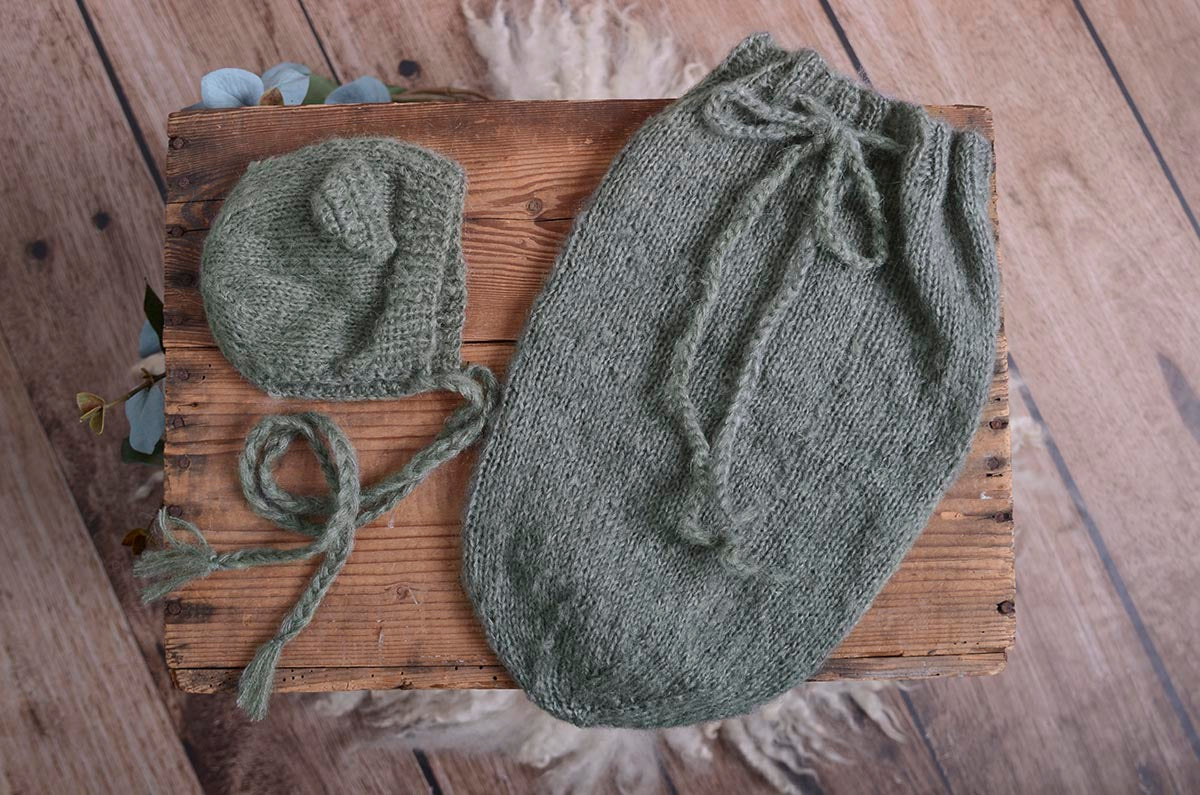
(436, 234)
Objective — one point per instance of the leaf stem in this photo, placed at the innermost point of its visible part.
(147, 382)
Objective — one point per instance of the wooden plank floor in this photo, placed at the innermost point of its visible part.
(1096, 121)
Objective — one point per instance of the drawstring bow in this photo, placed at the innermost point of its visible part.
(808, 129)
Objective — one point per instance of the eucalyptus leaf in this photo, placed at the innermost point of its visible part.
(230, 88)
(145, 412)
(319, 87)
(152, 307)
(364, 89)
(148, 342)
(269, 76)
(291, 79)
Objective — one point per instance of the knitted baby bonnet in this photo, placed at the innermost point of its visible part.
(336, 271)
(333, 272)
(759, 361)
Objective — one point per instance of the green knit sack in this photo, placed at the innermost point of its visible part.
(757, 365)
(334, 272)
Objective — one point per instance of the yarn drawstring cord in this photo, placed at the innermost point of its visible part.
(345, 508)
(807, 129)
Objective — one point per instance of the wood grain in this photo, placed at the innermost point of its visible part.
(81, 713)
(398, 604)
(1108, 289)
(316, 680)
(1105, 292)
(1077, 651)
(161, 48)
(522, 159)
(80, 225)
(1154, 48)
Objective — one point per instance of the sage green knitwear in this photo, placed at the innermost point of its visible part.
(336, 271)
(757, 365)
(332, 272)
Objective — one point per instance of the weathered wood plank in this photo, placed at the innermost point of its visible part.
(405, 568)
(312, 680)
(80, 222)
(81, 713)
(522, 159)
(160, 50)
(1153, 47)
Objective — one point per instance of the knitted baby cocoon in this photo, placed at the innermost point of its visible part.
(757, 365)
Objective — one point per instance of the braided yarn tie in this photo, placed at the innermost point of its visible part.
(809, 130)
(330, 521)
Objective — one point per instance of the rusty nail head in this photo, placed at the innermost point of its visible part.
(174, 510)
(183, 462)
(1007, 607)
(998, 423)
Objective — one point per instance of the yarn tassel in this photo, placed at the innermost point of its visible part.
(177, 563)
(258, 679)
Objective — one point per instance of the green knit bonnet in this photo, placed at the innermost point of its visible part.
(334, 272)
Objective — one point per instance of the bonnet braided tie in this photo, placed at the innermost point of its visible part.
(346, 508)
(808, 129)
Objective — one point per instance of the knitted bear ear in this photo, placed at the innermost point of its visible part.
(353, 205)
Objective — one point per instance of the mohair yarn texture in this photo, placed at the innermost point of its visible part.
(332, 272)
(758, 363)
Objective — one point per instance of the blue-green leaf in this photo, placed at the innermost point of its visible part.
(364, 89)
(290, 78)
(230, 88)
(148, 343)
(145, 412)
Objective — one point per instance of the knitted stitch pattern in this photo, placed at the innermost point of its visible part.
(333, 272)
(336, 271)
(757, 365)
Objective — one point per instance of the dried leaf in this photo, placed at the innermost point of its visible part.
(92, 409)
(272, 96)
(136, 540)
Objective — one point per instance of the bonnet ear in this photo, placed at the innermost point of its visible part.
(353, 205)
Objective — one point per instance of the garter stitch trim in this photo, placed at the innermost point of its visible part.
(758, 363)
(332, 272)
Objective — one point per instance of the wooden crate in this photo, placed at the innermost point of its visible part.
(397, 617)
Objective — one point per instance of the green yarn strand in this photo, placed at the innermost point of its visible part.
(345, 509)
